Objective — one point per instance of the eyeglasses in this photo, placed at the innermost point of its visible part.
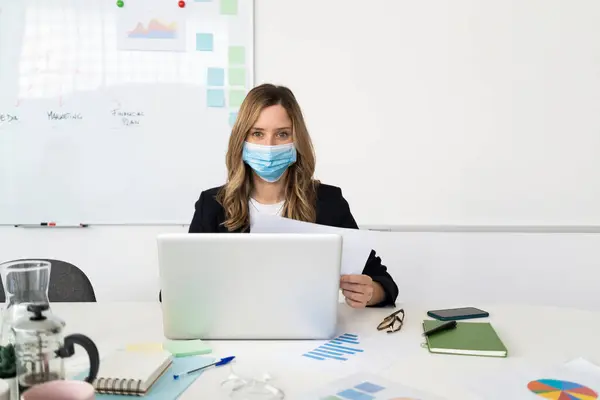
(393, 323)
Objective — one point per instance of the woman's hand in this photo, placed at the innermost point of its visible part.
(360, 290)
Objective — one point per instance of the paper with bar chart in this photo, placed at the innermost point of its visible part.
(341, 348)
(363, 386)
(349, 352)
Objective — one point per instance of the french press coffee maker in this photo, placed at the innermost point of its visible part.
(40, 348)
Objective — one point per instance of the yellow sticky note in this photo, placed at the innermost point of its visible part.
(144, 347)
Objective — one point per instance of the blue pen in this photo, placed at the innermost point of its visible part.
(222, 361)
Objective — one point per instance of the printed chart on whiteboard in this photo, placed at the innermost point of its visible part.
(107, 103)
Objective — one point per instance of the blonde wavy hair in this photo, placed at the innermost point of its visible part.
(300, 187)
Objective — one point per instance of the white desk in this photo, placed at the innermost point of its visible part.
(535, 335)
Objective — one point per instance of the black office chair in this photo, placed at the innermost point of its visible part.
(68, 284)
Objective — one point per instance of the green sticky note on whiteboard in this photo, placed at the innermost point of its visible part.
(237, 77)
(186, 348)
(229, 7)
(236, 97)
(237, 55)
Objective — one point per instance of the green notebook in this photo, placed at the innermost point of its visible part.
(468, 338)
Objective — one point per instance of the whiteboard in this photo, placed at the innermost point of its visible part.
(447, 112)
(117, 114)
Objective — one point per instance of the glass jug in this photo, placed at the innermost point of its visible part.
(40, 348)
(25, 282)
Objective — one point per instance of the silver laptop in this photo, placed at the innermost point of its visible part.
(249, 286)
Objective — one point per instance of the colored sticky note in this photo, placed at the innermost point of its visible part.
(215, 98)
(144, 347)
(237, 77)
(204, 42)
(236, 97)
(237, 55)
(215, 77)
(229, 7)
(232, 118)
(186, 348)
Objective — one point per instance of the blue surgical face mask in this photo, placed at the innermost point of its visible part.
(269, 162)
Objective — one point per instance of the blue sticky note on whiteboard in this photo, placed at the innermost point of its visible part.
(215, 77)
(215, 98)
(204, 41)
(232, 118)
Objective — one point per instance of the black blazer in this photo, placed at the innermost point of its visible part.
(332, 210)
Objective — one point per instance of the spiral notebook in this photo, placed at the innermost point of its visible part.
(131, 373)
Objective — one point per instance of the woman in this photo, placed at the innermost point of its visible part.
(270, 165)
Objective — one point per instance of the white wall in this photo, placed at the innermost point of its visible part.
(447, 112)
(447, 268)
(524, 268)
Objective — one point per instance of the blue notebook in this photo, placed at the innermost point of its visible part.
(167, 388)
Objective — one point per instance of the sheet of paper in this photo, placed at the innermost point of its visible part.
(583, 365)
(363, 386)
(356, 244)
(577, 379)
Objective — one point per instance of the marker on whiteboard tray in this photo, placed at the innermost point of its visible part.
(51, 225)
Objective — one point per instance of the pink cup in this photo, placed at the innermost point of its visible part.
(60, 390)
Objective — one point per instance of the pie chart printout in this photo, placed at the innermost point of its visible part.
(561, 390)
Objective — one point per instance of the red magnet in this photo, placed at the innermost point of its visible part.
(182, 4)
